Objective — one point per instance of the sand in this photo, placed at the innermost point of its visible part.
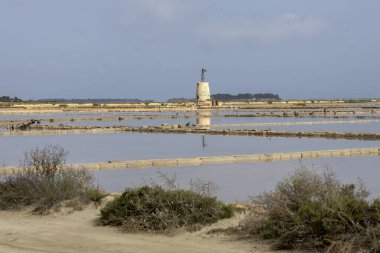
(21, 231)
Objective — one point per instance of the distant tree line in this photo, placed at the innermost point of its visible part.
(219, 96)
(180, 100)
(246, 96)
(9, 99)
(229, 97)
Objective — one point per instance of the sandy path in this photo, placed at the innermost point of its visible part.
(23, 232)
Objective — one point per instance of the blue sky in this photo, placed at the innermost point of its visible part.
(154, 49)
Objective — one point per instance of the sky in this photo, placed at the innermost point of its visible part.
(155, 49)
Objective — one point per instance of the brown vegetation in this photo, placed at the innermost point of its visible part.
(45, 183)
(317, 212)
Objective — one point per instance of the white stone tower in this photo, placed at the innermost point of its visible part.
(203, 90)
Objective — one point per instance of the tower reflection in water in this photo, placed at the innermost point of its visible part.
(203, 122)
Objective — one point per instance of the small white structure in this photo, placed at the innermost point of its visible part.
(203, 90)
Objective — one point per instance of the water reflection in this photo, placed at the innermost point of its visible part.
(203, 122)
(203, 119)
(204, 144)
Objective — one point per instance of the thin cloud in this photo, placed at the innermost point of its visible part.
(148, 14)
(137, 11)
(264, 31)
(163, 9)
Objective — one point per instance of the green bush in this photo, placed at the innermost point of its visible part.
(317, 212)
(154, 209)
(45, 183)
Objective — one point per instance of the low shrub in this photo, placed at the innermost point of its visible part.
(317, 212)
(45, 183)
(156, 209)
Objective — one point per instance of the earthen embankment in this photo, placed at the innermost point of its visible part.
(182, 129)
(232, 159)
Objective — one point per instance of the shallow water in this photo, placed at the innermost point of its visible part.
(238, 181)
(367, 127)
(349, 127)
(130, 146)
(213, 113)
(194, 120)
(78, 115)
(235, 181)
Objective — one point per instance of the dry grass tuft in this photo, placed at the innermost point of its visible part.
(44, 183)
(317, 212)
